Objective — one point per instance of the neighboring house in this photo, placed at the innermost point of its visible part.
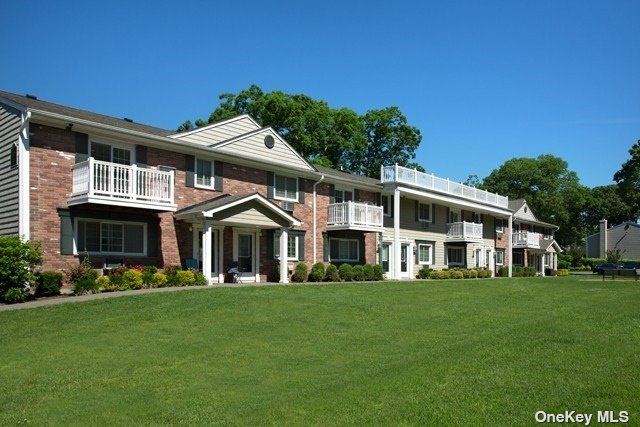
(624, 237)
(532, 240)
(230, 193)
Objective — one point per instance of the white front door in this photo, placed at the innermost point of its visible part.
(246, 252)
(404, 260)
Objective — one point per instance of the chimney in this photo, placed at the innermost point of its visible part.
(603, 238)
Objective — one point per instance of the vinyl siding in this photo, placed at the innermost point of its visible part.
(628, 241)
(220, 133)
(528, 215)
(593, 246)
(9, 128)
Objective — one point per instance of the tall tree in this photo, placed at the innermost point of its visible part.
(338, 138)
(628, 179)
(606, 202)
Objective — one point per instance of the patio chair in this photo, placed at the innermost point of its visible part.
(234, 271)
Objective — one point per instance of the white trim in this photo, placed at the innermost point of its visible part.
(429, 250)
(113, 143)
(261, 200)
(500, 251)
(286, 199)
(428, 219)
(24, 185)
(343, 239)
(211, 186)
(466, 204)
(254, 274)
(145, 237)
(214, 125)
(386, 205)
(295, 245)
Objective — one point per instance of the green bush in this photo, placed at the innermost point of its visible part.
(378, 272)
(591, 261)
(369, 274)
(564, 264)
(424, 272)
(15, 295)
(467, 273)
(331, 274)
(117, 283)
(563, 272)
(440, 274)
(104, 284)
(300, 273)
(199, 279)
(150, 269)
(185, 278)
(357, 273)
(85, 285)
(133, 279)
(484, 273)
(346, 272)
(171, 270)
(529, 271)
(17, 260)
(159, 280)
(82, 271)
(456, 274)
(48, 283)
(503, 271)
(317, 272)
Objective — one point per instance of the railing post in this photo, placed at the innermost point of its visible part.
(90, 183)
(395, 173)
(133, 188)
(415, 175)
(171, 183)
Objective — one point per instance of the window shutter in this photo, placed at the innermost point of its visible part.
(217, 171)
(300, 238)
(417, 211)
(325, 247)
(301, 185)
(270, 179)
(82, 147)
(448, 215)
(417, 256)
(190, 169)
(356, 195)
(271, 242)
(152, 237)
(391, 209)
(66, 232)
(433, 213)
(378, 199)
(332, 193)
(141, 155)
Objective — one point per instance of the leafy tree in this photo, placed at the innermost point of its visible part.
(18, 258)
(606, 202)
(337, 138)
(628, 179)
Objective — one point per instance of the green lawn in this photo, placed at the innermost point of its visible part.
(487, 352)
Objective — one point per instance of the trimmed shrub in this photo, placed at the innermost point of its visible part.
(17, 260)
(456, 274)
(117, 283)
(85, 285)
(503, 271)
(317, 272)
(346, 272)
(199, 279)
(48, 283)
(368, 272)
(357, 273)
(562, 264)
(467, 273)
(300, 273)
(105, 284)
(563, 272)
(133, 279)
(529, 271)
(440, 275)
(185, 278)
(158, 280)
(15, 295)
(378, 272)
(150, 269)
(423, 273)
(331, 274)
(473, 274)
(80, 271)
(484, 273)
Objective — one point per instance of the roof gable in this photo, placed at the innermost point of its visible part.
(220, 131)
(522, 210)
(253, 146)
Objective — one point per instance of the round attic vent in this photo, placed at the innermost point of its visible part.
(269, 142)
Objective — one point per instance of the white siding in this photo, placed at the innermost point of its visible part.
(628, 241)
(221, 132)
(9, 128)
(251, 217)
(528, 215)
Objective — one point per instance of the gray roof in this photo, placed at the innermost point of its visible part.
(36, 104)
(516, 204)
(213, 203)
(347, 176)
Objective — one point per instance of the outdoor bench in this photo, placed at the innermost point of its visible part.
(621, 272)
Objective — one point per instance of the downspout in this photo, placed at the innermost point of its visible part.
(24, 210)
(315, 242)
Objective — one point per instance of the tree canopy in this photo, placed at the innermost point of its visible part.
(332, 137)
(628, 179)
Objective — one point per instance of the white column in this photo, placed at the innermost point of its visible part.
(510, 247)
(207, 237)
(256, 257)
(542, 257)
(284, 250)
(396, 233)
(220, 251)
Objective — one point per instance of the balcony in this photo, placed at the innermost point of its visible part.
(354, 216)
(526, 239)
(107, 183)
(464, 232)
(400, 174)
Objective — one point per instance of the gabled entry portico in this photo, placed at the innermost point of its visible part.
(247, 216)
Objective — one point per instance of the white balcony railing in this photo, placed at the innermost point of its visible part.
(404, 175)
(526, 239)
(98, 180)
(464, 231)
(355, 215)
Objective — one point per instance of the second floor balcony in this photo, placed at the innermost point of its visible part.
(464, 232)
(526, 239)
(109, 183)
(354, 216)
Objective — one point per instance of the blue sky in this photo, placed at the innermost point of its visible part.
(484, 81)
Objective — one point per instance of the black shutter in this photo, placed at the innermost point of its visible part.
(356, 195)
(270, 179)
(301, 185)
(433, 213)
(217, 172)
(300, 238)
(448, 215)
(391, 208)
(190, 169)
(417, 211)
(378, 199)
(326, 250)
(271, 241)
(66, 232)
(152, 237)
(332, 193)
(82, 147)
(417, 256)
(141, 155)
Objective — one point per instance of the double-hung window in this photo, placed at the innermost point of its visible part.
(424, 253)
(386, 205)
(499, 225)
(344, 249)
(455, 255)
(342, 196)
(285, 188)
(110, 237)
(424, 212)
(292, 247)
(499, 256)
(204, 173)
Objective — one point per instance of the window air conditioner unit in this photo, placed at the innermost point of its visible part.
(288, 206)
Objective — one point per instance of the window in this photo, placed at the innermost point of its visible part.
(499, 256)
(285, 188)
(454, 215)
(292, 247)
(455, 256)
(111, 237)
(344, 249)
(517, 258)
(13, 156)
(499, 225)
(424, 212)
(111, 153)
(341, 196)
(424, 253)
(204, 173)
(386, 205)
